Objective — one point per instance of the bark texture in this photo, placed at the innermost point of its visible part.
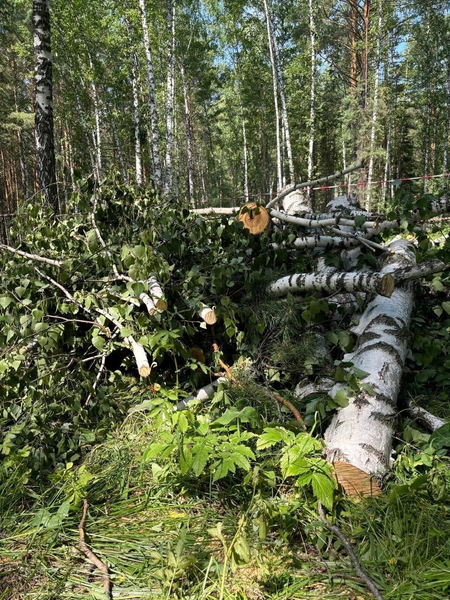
(43, 106)
(151, 98)
(331, 281)
(359, 438)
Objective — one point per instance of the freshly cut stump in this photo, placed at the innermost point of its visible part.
(255, 218)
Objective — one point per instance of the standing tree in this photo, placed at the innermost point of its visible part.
(43, 75)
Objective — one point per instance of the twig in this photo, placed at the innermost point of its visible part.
(361, 574)
(97, 379)
(43, 259)
(101, 566)
(305, 184)
(291, 407)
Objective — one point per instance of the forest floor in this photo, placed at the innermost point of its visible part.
(166, 540)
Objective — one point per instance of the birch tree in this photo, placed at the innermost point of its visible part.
(375, 102)
(170, 95)
(43, 106)
(156, 154)
(312, 35)
(275, 98)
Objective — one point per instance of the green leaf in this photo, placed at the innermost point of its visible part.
(98, 341)
(126, 332)
(441, 437)
(341, 397)
(298, 467)
(323, 488)
(272, 436)
(200, 459)
(446, 307)
(5, 301)
(183, 423)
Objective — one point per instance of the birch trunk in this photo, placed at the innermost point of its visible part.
(275, 98)
(245, 152)
(284, 115)
(97, 134)
(312, 94)
(375, 103)
(43, 106)
(331, 281)
(190, 153)
(446, 166)
(170, 95)
(359, 438)
(119, 150)
(157, 175)
(136, 119)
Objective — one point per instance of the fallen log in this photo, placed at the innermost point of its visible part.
(331, 281)
(359, 438)
(306, 184)
(207, 314)
(156, 293)
(431, 422)
(204, 393)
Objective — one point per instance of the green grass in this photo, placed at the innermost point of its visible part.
(154, 535)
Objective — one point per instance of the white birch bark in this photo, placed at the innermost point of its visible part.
(207, 314)
(313, 182)
(275, 98)
(375, 103)
(284, 115)
(97, 133)
(245, 156)
(157, 175)
(136, 120)
(170, 95)
(190, 152)
(328, 280)
(360, 434)
(156, 293)
(204, 393)
(446, 165)
(423, 416)
(312, 33)
(43, 105)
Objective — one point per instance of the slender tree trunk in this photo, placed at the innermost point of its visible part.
(275, 99)
(245, 153)
(276, 65)
(426, 165)
(157, 175)
(354, 42)
(170, 95)
(97, 134)
(136, 119)
(375, 103)
(312, 93)
(190, 154)
(119, 150)
(387, 170)
(446, 165)
(43, 76)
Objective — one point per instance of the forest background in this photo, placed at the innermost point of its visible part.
(161, 109)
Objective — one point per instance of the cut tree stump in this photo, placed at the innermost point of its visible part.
(255, 218)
